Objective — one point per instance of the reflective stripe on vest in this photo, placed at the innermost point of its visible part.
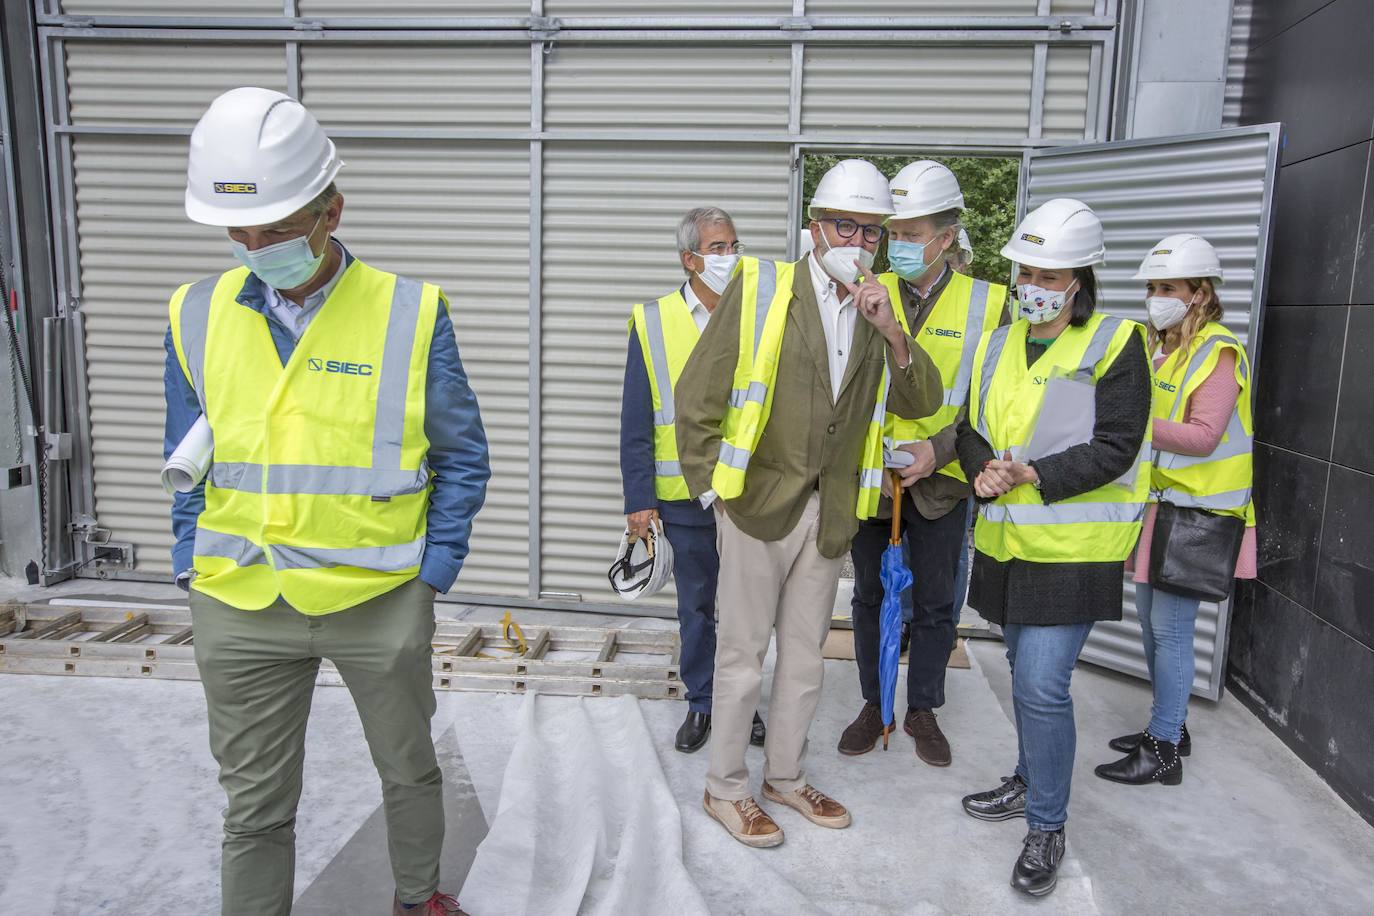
(281, 517)
(1202, 481)
(1099, 526)
(667, 333)
(963, 303)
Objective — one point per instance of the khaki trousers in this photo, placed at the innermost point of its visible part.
(258, 670)
(783, 585)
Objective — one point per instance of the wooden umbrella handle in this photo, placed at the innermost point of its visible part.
(896, 508)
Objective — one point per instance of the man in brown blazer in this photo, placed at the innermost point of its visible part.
(783, 539)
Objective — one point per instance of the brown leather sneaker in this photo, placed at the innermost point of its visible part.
(862, 735)
(744, 820)
(815, 806)
(931, 745)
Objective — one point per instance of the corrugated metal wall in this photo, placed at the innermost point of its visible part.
(1242, 15)
(609, 223)
(1217, 185)
(588, 155)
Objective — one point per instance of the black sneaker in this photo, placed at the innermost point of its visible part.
(1002, 803)
(1037, 868)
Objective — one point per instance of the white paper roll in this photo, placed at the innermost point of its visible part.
(190, 460)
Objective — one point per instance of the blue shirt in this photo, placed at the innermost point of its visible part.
(457, 444)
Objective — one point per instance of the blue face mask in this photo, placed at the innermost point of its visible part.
(285, 265)
(908, 259)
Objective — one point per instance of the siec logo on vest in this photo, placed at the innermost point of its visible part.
(1165, 386)
(944, 332)
(338, 366)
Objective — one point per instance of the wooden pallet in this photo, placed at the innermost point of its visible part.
(160, 643)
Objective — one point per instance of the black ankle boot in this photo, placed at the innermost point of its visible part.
(1037, 868)
(1151, 761)
(1126, 743)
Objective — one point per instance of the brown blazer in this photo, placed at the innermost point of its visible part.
(810, 441)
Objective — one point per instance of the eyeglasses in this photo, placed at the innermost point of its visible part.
(722, 248)
(845, 229)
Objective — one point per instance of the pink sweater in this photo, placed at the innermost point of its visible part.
(1205, 418)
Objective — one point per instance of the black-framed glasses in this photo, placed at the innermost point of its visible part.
(846, 228)
(722, 248)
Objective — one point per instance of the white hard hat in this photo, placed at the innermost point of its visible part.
(853, 185)
(923, 188)
(257, 156)
(964, 243)
(1060, 233)
(642, 565)
(1180, 257)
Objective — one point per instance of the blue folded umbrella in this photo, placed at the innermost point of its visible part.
(896, 578)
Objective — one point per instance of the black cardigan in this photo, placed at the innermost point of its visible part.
(1019, 591)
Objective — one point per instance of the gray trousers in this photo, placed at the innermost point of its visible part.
(258, 669)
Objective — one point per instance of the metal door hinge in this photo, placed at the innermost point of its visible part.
(105, 553)
(543, 28)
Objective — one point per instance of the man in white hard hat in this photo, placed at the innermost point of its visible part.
(349, 462)
(947, 313)
(781, 430)
(662, 335)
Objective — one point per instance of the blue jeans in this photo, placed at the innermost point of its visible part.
(1167, 622)
(1042, 660)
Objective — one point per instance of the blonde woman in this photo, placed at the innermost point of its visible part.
(1201, 436)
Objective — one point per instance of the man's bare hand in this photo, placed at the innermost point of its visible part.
(638, 522)
(922, 467)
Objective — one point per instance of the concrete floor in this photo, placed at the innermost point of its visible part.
(111, 806)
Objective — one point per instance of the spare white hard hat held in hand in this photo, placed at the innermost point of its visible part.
(1184, 256)
(257, 156)
(1059, 234)
(642, 566)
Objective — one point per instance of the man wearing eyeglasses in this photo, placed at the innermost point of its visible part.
(662, 335)
(779, 426)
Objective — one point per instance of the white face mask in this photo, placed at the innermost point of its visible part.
(839, 262)
(1039, 305)
(1165, 312)
(719, 269)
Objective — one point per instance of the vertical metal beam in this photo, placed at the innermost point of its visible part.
(794, 201)
(538, 51)
(293, 70)
(1039, 63)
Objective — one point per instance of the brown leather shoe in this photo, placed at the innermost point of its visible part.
(862, 735)
(931, 745)
(744, 820)
(815, 806)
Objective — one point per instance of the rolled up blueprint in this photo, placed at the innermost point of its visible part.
(191, 460)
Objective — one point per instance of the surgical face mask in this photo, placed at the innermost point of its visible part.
(719, 269)
(908, 259)
(285, 265)
(839, 262)
(1039, 305)
(1165, 312)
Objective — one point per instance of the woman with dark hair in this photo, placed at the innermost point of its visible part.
(1056, 522)
(1202, 434)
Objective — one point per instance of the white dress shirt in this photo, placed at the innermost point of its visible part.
(700, 313)
(297, 317)
(837, 318)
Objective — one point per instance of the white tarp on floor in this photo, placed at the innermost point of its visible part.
(586, 822)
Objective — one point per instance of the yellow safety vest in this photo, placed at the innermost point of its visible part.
(319, 488)
(1096, 527)
(966, 308)
(1220, 482)
(667, 333)
(766, 287)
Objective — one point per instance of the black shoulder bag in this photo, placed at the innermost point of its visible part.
(1193, 552)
